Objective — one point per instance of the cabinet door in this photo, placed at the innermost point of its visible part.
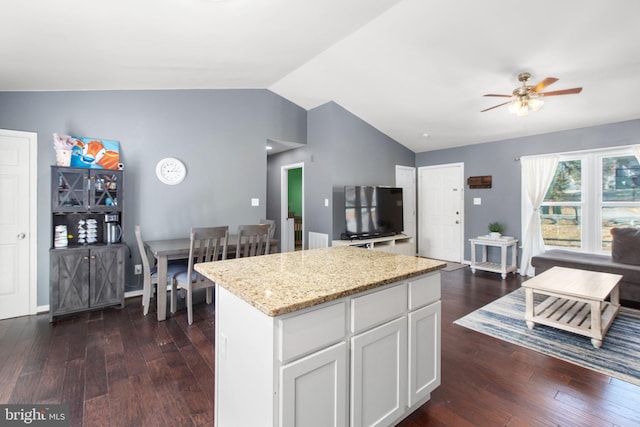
(69, 284)
(69, 189)
(379, 374)
(424, 352)
(105, 190)
(313, 390)
(107, 276)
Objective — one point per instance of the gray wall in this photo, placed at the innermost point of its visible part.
(221, 137)
(219, 134)
(502, 201)
(341, 150)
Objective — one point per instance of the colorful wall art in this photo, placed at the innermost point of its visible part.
(95, 153)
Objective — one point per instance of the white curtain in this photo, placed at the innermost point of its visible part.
(636, 151)
(537, 174)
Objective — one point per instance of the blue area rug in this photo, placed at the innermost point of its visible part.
(619, 356)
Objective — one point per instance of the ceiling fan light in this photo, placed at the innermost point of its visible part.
(523, 111)
(536, 104)
(520, 107)
(515, 106)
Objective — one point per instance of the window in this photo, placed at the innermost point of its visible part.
(560, 213)
(590, 194)
(619, 204)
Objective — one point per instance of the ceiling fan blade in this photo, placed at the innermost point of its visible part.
(546, 82)
(496, 106)
(562, 92)
(501, 96)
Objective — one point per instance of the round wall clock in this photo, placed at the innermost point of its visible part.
(171, 171)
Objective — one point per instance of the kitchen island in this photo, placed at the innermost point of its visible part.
(325, 337)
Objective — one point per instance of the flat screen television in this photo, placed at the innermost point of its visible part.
(372, 211)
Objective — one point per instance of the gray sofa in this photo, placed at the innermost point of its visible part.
(629, 286)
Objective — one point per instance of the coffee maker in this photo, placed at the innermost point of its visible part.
(112, 230)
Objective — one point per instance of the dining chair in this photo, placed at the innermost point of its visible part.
(253, 240)
(273, 247)
(150, 274)
(272, 226)
(207, 244)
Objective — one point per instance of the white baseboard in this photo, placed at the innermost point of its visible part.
(132, 294)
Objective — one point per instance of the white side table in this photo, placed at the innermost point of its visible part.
(504, 243)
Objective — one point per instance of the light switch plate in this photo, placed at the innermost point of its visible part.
(477, 201)
(326, 202)
(255, 202)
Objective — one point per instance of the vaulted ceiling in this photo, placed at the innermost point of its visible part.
(407, 67)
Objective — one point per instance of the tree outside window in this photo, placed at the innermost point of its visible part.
(620, 201)
(561, 209)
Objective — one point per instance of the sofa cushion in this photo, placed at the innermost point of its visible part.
(625, 247)
(584, 261)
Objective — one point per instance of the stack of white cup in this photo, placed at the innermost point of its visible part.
(92, 230)
(60, 238)
(82, 232)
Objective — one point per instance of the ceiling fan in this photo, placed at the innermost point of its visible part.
(526, 97)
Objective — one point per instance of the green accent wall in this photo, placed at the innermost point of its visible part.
(295, 191)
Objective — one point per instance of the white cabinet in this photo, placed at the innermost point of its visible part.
(313, 390)
(400, 244)
(424, 352)
(379, 374)
(368, 359)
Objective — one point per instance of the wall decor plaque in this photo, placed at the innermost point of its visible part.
(479, 181)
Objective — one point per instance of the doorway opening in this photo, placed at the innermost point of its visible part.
(292, 207)
(294, 202)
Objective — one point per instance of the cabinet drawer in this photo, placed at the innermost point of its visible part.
(424, 290)
(378, 307)
(312, 330)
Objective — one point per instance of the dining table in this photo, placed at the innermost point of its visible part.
(175, 249)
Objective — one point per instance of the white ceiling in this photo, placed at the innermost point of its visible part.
(405, 66)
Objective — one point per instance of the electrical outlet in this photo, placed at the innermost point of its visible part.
(137, 269)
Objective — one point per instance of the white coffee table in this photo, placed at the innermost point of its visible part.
(576, 301)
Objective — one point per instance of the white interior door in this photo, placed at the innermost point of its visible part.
(440, 213)
(406, 179)
(17, 223)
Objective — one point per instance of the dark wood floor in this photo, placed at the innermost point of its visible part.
(119, 368)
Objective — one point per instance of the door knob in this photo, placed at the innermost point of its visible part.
(457, 222)
(21, 236)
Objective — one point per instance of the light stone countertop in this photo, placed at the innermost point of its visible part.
(282, 283)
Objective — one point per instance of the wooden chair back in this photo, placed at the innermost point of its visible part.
(253, 240)
(146, 265)
(147, 279)
(207, 244)
(272, 226)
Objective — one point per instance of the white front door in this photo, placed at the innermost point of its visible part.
(440, 212)
(406, 179)
(17, 223)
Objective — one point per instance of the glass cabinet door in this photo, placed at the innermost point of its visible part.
(105, 190)
(70, 188)
(86, 190)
